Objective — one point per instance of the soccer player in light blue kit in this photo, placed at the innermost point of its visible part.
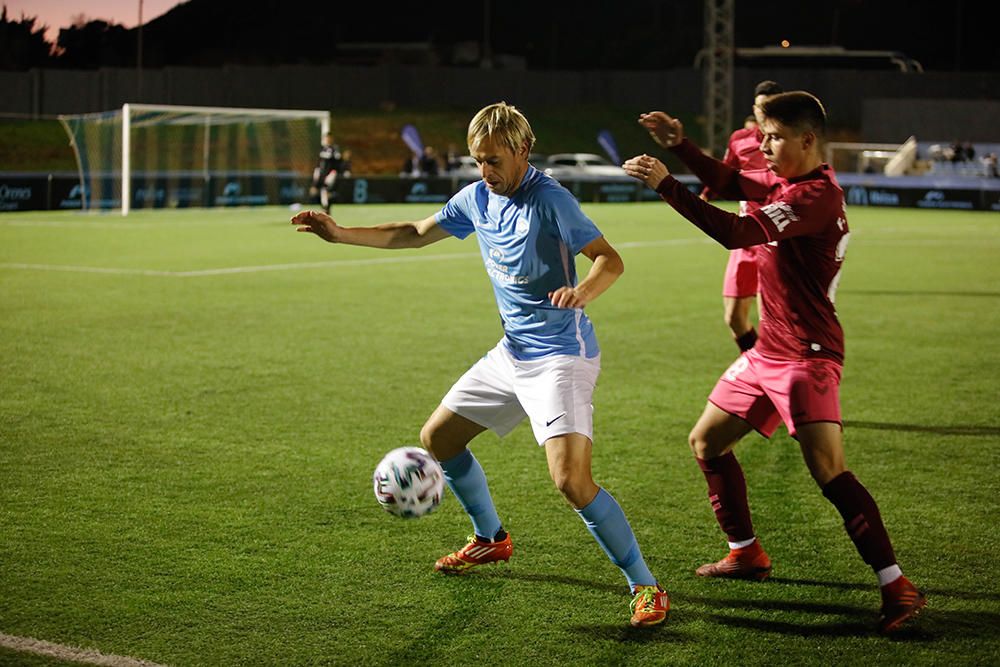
(529, 230)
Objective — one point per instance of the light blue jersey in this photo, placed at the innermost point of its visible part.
(529, 243)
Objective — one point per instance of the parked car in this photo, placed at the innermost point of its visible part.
(467, 168)
(583, 166)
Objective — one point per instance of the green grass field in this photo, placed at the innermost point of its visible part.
(192, 403)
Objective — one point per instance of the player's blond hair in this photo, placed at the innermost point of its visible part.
(504, 124)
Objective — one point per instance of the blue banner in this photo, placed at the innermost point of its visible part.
(607, 142)
(412, 139)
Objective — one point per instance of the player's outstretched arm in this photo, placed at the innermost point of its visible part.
(388, 235)
(729, 229)
(607, 266)
(647, 169)
(665, 130)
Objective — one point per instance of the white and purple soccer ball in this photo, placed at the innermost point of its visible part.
(408, 482)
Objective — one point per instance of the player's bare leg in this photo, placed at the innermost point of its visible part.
(736, 313)
(446, 435)
(712, 440)
(569, 459)
(823, 450)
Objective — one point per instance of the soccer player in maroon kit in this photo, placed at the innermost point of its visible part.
(739, 286)
(793, 372)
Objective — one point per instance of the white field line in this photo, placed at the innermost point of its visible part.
(71, 653)
(295, 266)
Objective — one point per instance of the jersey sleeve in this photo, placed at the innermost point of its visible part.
(575, 228)
(455, 217)
(722, 179)
(729, 229)
(805, 209)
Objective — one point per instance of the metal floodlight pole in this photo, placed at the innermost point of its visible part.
(718, 79)
(138, 57)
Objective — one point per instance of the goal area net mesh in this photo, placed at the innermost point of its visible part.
(159, 156)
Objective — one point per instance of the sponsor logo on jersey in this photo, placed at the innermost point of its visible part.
(781, 214)
(499, 271)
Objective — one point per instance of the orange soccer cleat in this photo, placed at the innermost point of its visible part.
(749, 562)
(650, 606)
(901, 601)
(476, 552)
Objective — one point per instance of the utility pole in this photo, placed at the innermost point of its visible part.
(718, 81)
(138, 58)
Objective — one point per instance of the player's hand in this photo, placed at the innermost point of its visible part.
(317, 223)
(647, 169)
(665, 130)
(567, 297)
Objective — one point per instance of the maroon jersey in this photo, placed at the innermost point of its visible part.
(801, 229)
(743, 153)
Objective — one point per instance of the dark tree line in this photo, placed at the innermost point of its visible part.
(23, 44)
(86, 45)
(517, 34)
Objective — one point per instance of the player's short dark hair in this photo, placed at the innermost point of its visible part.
(797, 109)
(768, 88)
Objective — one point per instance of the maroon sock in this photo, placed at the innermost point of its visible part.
(727, 490)
(861, 519)
(747, 340)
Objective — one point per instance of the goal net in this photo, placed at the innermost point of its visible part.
(159, 156)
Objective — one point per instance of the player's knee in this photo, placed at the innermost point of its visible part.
(699, 444)
(428, 439)
(577, 489)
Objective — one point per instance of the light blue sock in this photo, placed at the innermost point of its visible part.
(466, 479)
(607, 523)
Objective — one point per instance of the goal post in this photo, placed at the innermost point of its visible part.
(156, 156)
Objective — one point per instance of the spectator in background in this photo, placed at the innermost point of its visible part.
(429, 165)
(411, 167)
(990, 165)
(970, 151)
(451, 161)
(957, 151)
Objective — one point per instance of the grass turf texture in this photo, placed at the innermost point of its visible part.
(186, 459)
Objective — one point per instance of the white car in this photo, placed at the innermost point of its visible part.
(583, 166)
(467, 168)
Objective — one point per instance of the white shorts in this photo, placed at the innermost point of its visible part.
(554, 392)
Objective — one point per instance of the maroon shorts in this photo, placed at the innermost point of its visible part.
(764, 392)
(741, 274)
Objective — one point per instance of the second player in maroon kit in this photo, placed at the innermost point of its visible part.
(792, 374)
(739, 285)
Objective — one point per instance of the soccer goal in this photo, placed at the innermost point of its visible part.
(165, 156)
